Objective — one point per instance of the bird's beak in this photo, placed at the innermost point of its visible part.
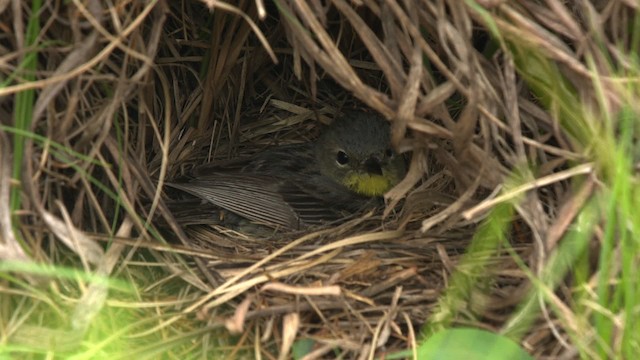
(372, 166)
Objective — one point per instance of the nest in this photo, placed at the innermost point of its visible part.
(130, 95)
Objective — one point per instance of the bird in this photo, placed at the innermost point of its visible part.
(292, 187)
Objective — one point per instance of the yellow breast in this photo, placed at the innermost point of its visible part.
(367, 184)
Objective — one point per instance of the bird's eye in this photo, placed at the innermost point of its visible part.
(389, 152)
(342, 158)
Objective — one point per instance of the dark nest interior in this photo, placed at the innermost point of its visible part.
(129, 95)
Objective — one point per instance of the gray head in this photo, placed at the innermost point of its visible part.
(355, 151)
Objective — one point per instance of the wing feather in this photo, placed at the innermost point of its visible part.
(252, 196)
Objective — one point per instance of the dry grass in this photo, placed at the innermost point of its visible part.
(130, 95)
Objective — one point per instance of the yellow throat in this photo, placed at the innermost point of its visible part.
(368, 184)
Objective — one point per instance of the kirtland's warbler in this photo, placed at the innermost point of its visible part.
(290, 187)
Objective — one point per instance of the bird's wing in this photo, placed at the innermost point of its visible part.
(249, 195)
(258, 188)
(311, 208)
